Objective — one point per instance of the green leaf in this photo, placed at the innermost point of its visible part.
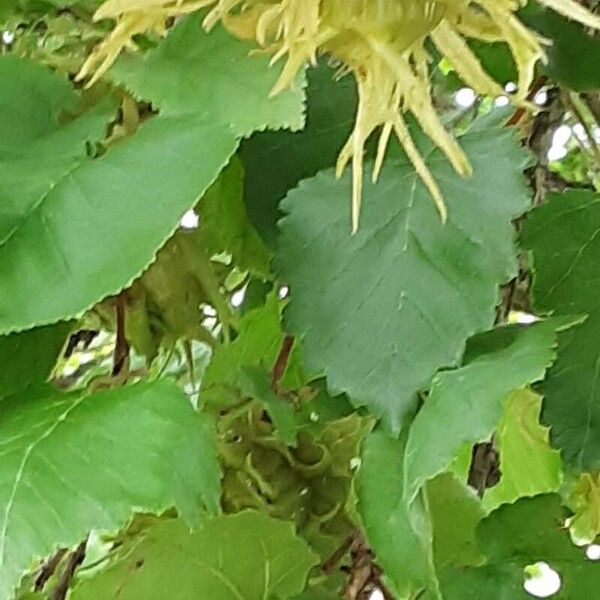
(399, 298)
(496, 59)
(513, 537)
(319, 593)
(211, 75)
(455, 512)
(225, 226)
(258, 342)
(398, 532)
(563, 236)
(255, 384)
(465, 405)
(76, 462)
(321, 409)
(8, 8)
(38, 151)
(246, 556)
(31, 104)
(102, 223)
(164, 305)
(28, 357)
(571, 51)
(275, 161)
(529, 466)
(568, 52)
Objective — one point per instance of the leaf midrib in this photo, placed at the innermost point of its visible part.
(19, 474)
(38, 203)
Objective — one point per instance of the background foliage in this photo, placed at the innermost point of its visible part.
(209, 388)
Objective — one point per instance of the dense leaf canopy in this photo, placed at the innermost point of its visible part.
(299, 299)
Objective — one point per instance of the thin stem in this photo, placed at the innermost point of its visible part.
(166, 362)
(281, 361)
(203, 270)
(576, 106)
(121, 351)
(47, 569)
(75, 559)
(329, 565)
(520, 112)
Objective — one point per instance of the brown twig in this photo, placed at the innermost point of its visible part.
(121, 351)
(281, 361)
(328, 566)
(47, 569)
(364, 575)
(75, 559)
(386, 593)
(520, 112)
(544, 125)
(378, 584)
(360, 577)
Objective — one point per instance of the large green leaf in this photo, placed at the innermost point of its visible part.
(31, 105)
(76, 462)
(513, 537)
(101, 224)
(211, 75)
(37, 151)
(528, 464)
(275, 161)
(563, 236)
(380, 311)
(465, 405)
(246, 556)
(28, 357)
(398, 532)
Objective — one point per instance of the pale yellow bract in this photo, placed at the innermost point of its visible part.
(382, 42)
